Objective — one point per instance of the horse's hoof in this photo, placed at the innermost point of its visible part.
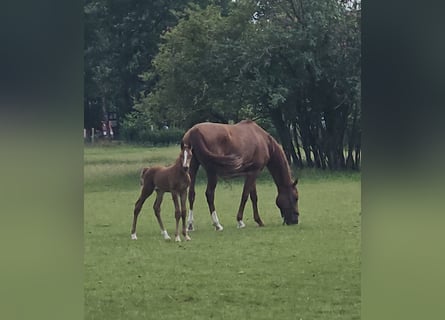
(133, 236)
(219, 227)
(177, 239)
(165, 235)
(190, 227)
(187, 238)
(241, 224)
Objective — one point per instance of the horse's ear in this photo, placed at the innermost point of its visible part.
(184, 145)
(295, 182)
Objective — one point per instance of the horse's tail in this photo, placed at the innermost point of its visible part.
(195, 139)
(141, 177)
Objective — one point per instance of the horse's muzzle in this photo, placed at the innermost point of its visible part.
(292, 220)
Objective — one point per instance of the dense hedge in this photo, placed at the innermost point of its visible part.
(155, 137)
(137, 127)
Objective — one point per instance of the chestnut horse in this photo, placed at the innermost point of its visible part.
(242, 149)
(174, 179)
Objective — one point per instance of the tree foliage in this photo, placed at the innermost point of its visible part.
(198, 77)
(121, 39)
(291, 65)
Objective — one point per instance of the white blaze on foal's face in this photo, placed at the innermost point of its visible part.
(187, 157)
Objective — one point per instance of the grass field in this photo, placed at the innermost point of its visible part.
(310, 271)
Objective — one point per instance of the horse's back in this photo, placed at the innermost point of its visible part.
(228, 138)
(165, 179)
(148, 174)
(244, 143)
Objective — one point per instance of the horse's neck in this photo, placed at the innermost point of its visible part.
(278, 166)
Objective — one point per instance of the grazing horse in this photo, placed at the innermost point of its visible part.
(242, 149)
(174, 179)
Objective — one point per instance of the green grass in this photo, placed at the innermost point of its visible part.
(309, 271)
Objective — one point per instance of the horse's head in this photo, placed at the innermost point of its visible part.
(287, 201)
(185, 156)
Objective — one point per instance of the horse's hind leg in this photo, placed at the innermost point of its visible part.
(157, 210)
(146, 191)
(212, 180)
(254, 199)
(193, 170)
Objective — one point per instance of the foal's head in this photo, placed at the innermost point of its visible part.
(185, 156)
(287, 201)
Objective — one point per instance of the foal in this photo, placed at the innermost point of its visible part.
(174, 179)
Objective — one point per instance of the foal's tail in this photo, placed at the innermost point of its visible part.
(142, 175)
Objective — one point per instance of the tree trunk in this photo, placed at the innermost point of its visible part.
(307, 153)
(284, 134)
(297, 145)
(104, 108)
(306, 142)
(352, 141)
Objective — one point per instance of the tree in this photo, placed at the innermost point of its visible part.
(121, 39)
(291, 63)
(198, 68)
(306, 65)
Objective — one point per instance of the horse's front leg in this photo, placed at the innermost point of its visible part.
(212, 180)
(177, 215)
(249, 183)
(254, 199)
(183, 198)
(193, 170)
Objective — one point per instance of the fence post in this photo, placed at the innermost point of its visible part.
(92, 135)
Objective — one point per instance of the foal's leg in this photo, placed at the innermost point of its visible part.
(249, 182)
(183, 196)
(177, 215)
(212, 180)
(193, 170)
(254, 199)
(157, 210)
(146, 191)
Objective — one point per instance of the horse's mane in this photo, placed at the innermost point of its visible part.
(278, 165)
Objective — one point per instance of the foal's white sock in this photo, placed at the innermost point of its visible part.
(241, 224)
(190, 221)
(164, 233)
(190, 218)
(216, 223)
